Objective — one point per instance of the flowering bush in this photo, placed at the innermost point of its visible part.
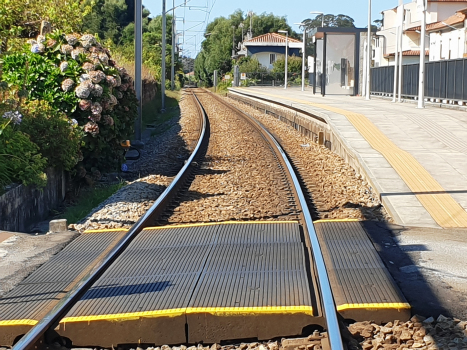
(59, 138)
(20, 160)
(76, 75)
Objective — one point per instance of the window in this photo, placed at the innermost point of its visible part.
(272, 58)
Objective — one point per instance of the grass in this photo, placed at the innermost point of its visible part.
(89, 200)
(152, 110)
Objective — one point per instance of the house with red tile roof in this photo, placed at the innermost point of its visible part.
(267, 48)
(445, 27)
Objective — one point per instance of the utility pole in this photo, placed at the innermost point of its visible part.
(303, 53)
(286, 55)
(401, 36)
(138, 65)
(163, 57)
(172, 82)
(233, 41)
(251, 24)
(421, 6)
(369, 53)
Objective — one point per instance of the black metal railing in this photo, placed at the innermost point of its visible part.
(444, 80)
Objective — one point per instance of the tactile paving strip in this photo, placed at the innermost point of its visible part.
(362, 287)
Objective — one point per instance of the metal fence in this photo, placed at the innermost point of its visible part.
(271, 79)
(444, 80)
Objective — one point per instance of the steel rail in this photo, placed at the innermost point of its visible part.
(329, 307)
(53, 317)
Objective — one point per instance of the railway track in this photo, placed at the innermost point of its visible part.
(255, 218)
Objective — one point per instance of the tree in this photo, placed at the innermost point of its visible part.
(223, 34)
(110, 19)
(342, 21)
(378, 23)
(22, 18)
(330, 20)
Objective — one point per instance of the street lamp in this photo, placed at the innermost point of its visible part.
(322, 16)
(303, 54)
(286, 54)
(241, 25)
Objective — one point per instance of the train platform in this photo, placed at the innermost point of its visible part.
(415, 159)
(207, 283)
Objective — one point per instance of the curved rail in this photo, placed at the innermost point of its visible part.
(53, 317)
(330, 312)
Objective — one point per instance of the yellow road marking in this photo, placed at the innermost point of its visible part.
(374, 306)
(217, 311)
(126, 316)
(439, 204)
(25, 322)
(220, 223)
(228, 311)
(335, 220)
(107, 230)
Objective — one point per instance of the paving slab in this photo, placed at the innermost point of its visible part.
(434, 141)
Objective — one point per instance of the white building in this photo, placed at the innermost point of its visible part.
(445, 27)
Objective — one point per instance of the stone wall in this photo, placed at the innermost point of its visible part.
(23, 206)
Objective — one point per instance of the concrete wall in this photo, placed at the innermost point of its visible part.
(23, 206)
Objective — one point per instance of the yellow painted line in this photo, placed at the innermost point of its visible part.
(378, 306)
(220, 223)
(25, 322)
(107, 230)
(335, 220)
(439, 204)
(218, 311)
(229, 311)
(126, 316)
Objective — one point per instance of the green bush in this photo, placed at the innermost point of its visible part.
(59, 138)
(224, 84)
(78, 77)
(294, 65)
(19, 157)
(250, 65)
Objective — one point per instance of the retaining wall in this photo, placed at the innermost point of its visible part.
(23, 206)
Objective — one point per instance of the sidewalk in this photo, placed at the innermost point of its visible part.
(416, 158)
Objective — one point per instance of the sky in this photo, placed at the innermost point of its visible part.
(193, 18)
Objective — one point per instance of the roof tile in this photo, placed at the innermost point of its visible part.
(272, 38)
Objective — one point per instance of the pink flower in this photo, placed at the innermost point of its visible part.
(67, 85)
(96, 108)
(84, 105)
(91, 128)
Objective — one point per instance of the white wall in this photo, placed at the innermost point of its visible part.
(263, 58)
(436, 11)
(447, 45)
(439, 11)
